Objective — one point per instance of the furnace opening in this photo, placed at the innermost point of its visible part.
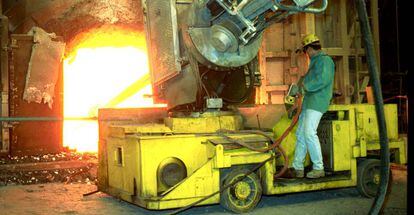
(105, 68)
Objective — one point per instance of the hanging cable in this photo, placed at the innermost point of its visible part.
(275, 144)
(378, 204)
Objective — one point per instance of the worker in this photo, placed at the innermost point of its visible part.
(317, 87)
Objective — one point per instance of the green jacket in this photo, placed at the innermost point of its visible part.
(318, 83)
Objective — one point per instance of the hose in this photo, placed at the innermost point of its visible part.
(275, 144)
(223, 188)
(378, 204)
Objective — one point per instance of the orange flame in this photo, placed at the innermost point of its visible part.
(106, 68)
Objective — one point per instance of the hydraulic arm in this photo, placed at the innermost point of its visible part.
(208, 52)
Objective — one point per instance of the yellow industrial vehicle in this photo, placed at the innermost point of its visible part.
(183, 160)
(201, 153)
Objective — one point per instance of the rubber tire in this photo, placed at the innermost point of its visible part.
(363, 168)
(226, 195)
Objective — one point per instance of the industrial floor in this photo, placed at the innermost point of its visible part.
(60, 198)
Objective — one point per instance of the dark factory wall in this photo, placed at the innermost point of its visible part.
(393, 15)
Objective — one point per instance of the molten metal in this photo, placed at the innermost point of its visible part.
(106, 68)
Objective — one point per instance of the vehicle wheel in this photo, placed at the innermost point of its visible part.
(368, 177)
(244, 195)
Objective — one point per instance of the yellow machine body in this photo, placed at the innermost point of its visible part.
(136, 155)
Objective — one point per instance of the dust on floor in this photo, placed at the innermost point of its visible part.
(61, 198)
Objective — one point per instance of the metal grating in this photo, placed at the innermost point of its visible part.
(162, 37)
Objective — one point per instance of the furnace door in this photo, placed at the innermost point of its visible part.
(36, 95)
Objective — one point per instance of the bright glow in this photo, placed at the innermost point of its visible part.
(99, 69)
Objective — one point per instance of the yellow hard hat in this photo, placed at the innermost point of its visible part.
(310, 38)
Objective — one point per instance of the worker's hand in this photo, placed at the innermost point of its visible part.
(292, 112)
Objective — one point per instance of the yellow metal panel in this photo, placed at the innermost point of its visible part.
(177, 203)
(125, 168)
(400, 145)
(155, 150)
(352, 127)
(369, 123)
(202, 182)
(252, 158)
(301, 187)
(391, 118)
(119, 193)
(359, 123)
(360, 150)
(269, 188)
(150, 128)
(342, 147)
(204, 125)
(147, 128)
(366, 120)
(267, 175)
(401, 156)
(356, 151)
(116, 132)
(221, 160)
(363, 146)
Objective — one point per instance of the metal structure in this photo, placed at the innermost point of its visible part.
(184, 160)
(208, 48)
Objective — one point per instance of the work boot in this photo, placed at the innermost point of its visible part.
(299, 173)
(315, 174)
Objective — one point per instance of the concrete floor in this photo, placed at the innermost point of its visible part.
(57, 198)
